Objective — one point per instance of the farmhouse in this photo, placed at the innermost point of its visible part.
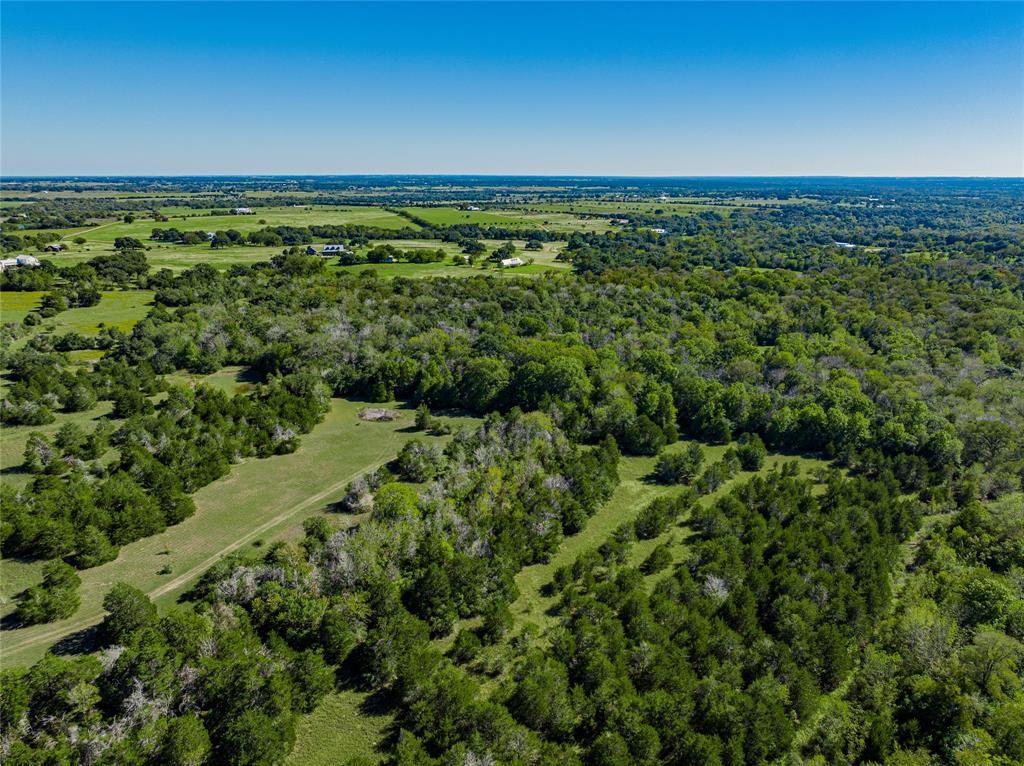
(243, 211)
(507, 263)
(658, 231)
(20, 260)
(330, 250)
(845, 245)
(472, 207)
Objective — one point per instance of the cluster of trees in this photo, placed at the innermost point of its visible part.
(862, 366)
(223, 682)
(943, 676)
(81, 508)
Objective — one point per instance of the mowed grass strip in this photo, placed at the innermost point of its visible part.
(259, 500)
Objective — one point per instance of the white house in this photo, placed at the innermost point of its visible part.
(243, 211)
(472, 207)
(659, 231)
(330, 250)
(18, 260)
(507, 263)
(845, 245)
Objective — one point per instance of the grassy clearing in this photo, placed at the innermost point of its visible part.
(342, 727)
(513, 218)
(15, 306)
(259, 500)
(120, 309)
(230, 380)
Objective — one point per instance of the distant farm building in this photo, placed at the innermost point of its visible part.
(54, 247)
(243, 211)
(508, 263)
(20, 260)
(472, 207)
(330, 250)
(659, 231)
(845, 245)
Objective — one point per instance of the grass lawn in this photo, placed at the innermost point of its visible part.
(259, 500)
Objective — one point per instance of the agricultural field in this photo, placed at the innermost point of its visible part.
(189, 219)
(258, 502)
(560, 221)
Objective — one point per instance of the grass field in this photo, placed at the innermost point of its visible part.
(15, 306)
(543, 260)
(117, 308)
(259, 500)
(515, 218)
(179, 257)
(190, 219)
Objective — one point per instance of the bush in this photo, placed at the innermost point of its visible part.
(658, 559)
(751, 452)
(679, 467)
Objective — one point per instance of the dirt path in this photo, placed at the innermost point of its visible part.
(86, 231)
(198, 570)
(65, 628)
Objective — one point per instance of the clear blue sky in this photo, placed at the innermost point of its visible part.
(578, 88)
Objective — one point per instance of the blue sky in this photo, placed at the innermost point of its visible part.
(522, 88)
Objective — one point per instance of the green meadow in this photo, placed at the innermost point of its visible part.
(562, 221)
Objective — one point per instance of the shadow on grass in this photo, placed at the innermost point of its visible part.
(80, 642)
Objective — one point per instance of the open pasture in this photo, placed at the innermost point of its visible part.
(188, 219)
(511, 218)
(16, 305)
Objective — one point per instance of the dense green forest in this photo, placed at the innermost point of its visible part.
(874, 615)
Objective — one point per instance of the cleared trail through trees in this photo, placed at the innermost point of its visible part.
(232, 512)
